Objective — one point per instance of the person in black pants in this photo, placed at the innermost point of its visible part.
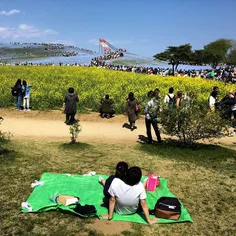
(69, 105)
(151, 111)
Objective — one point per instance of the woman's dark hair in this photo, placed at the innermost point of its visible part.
(133, 175)
(18, 82)
(121, 169)
(131, 96)
(179, 94)
(71, 90)
(24, 83)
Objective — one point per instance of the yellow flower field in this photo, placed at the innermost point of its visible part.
(50, 84)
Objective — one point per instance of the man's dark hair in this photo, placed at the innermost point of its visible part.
(107, 96)
(214, 94)
(215, 88)
(133, 175)
(71, 90)
(121, 169)
(150, 94)
(171, 90)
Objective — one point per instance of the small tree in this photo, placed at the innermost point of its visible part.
(176, 55)
(4, 136)
(75, 129)
(192, 123)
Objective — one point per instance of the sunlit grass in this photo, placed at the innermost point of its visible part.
(202, 178)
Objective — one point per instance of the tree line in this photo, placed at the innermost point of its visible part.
(218, 52)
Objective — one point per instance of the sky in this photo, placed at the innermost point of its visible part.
(141, 27)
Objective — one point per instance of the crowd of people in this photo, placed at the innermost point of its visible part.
(226, 74)
(153, 106)
(226, 106)
(101, 60)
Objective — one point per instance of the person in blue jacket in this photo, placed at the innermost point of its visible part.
(26, 95)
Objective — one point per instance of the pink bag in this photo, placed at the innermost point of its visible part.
(152, 182)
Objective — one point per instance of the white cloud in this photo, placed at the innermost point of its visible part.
(25, 27)
(24, 31)
(8, 13)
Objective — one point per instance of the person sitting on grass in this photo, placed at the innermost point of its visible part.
(106, 109)
(130, 197)
(121, 170)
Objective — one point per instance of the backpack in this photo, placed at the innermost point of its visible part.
(172, 101)
(168, 208)
(86, 210)
(14, 91)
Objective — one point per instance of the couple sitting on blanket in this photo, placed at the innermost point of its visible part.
(125, 192)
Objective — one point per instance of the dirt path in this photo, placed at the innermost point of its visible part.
(50, 125)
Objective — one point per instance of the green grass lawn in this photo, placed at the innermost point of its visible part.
(204, 179)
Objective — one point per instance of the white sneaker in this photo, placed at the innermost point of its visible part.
(28, 110)
(27, 206)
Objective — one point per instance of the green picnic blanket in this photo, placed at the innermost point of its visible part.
(90, 192)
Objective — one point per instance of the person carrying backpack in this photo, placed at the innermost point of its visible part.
(18, 92)
(170, 98)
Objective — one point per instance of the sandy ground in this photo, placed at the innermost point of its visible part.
(50, 125)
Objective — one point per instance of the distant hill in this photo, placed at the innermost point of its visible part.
(16, 52)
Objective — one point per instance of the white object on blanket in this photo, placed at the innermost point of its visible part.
(91, 173)
(100, 179)
(27, 206)
(54, 197)
(37, 183)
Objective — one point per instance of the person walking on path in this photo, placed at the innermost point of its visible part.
(151, 110)
(26, 98)
(131, 109)
(69, 105)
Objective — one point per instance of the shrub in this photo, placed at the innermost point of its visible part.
(192, 123)
(4, 136)
(75, 129)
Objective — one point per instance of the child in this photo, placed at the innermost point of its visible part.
(121, 169)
